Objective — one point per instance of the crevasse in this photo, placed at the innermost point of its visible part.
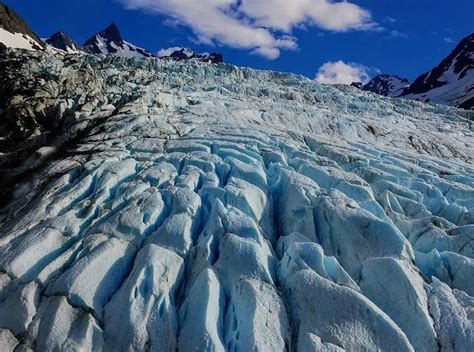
(198, 207)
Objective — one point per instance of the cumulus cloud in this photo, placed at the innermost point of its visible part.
(339, 72)
(284, 15)
(263, 26)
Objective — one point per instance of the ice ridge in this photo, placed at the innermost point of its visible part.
(197, 207)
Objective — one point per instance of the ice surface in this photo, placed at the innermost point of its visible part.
(210, 207)
(397, 288)
(452, 313)
(143, 312)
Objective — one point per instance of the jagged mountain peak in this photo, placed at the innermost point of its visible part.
(112, 32)
(386, 85)
(62, 41)
(110, 41)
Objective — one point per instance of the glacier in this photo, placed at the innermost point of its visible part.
(198, 207)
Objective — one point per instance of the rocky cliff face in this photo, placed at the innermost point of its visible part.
(191, 206)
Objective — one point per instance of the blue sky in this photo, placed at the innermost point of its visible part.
(404, 37)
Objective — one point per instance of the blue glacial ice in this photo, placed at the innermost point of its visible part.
(202, 207)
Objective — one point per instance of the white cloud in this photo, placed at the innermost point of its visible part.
(268, 52)
(339, 72)
(284, 15)
(263, 26)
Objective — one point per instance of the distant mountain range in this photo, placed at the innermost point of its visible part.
(449, 83)
(15, 33)
(180, 54)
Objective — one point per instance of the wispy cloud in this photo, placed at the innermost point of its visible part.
(390, 20)
(397, 34)
(262, 26)
(340, 72)
(171, 22)
(448, 40)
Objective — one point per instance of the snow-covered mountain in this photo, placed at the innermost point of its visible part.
(162, 205)
(451, 82)
(63, 42)
(386, 85)
(179, 54)
(109, 41)
(15, 33)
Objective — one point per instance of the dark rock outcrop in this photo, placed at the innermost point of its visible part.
(188, 54)
(386, 85)
(62, 41)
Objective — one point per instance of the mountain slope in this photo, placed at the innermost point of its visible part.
(63, 42)
(451, 82)
(188, 206)
(386, 85)
(109, 41)
(15, 33)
